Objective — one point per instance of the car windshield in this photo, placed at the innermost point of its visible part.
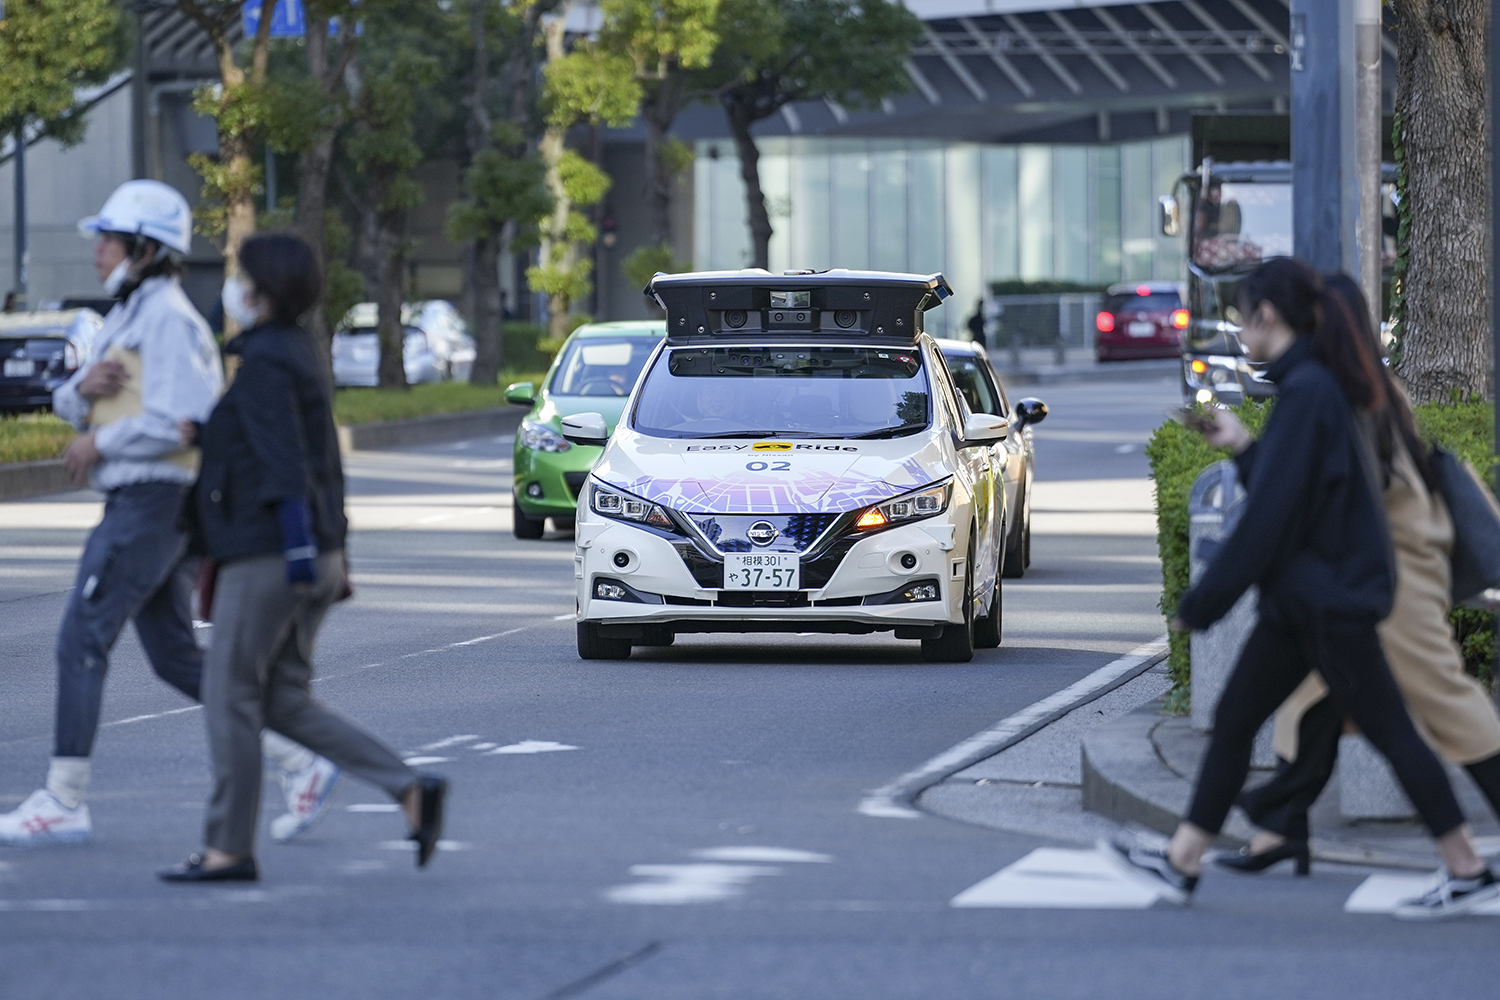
(759, 392)
(601, 366)
(1238, 225)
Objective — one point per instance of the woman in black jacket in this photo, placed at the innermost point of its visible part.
(1314, 539)
(270, 512)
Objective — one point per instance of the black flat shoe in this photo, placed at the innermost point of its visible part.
(192, 870)
(431, 790)
(1246, 862)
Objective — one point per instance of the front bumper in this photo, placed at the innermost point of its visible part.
(547, 482)
(863, 592)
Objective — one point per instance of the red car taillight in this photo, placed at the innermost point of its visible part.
(1105, 322)
(1180, 319)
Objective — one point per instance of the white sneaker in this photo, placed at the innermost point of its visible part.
(1451, 897)
(42, 819)
(308, 793)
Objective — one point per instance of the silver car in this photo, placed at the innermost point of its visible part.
(436, 345)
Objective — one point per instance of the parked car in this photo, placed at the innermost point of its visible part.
(795, 459)
(594, 372)
(984, 392)
(437, 345)
(1144, 319)
(40, 351)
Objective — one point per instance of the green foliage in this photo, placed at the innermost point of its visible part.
(499, 187)
(372, 406)
(592, 85)
(343, 286)
(676, 156)
(658, 36)
(48, 48)
(31, 437)
(1018, 287)
(1177, 456)
(643, 262)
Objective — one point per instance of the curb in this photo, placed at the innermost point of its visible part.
(20, 480)
(428, 430)
(897, 800)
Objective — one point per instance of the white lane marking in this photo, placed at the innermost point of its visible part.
(411, 845)
(460, 645)
(774, 855)
(450, 741)
(373, 807)
(51, 905)
(484, 746)
(886, 802)
(676, 885)
(1383, 893)
(533, 746)
(1054, 878)
(1124, 449)
(563, 618)
(419, 761)
(434, 519)
(153, 715)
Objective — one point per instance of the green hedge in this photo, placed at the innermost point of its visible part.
(29, 437)
(1177, 455)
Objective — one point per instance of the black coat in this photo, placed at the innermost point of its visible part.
(1313, 534)
(270, 438)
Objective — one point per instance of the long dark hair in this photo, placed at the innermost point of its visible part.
(285, 270)
(1347, 317)
(1298, 294)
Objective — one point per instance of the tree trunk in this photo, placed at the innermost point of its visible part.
(391, 240)
(313, 166)
(489, 351)
(1440, 94)
(740, 120)
(658, 111)
(556, 252)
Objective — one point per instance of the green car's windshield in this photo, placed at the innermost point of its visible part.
(601, 366)
(759, 392)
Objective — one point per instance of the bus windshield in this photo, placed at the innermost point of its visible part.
(1237, 225)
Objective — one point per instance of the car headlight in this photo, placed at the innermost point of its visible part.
(540, 437)
(623, 507)
(912, 506)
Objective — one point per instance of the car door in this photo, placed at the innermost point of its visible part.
(977, 465)
(980, 389)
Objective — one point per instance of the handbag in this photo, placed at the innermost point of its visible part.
(1476, 525)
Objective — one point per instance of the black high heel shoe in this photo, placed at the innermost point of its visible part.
(1246, 862)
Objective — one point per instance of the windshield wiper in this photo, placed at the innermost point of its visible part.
(886, 432)
(756, 434)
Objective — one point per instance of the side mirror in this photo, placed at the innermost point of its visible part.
(983, 428)
(1031, 411)
(1169, 215)
(520, 393)
(586, 428)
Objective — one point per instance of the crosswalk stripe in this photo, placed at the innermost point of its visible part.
(1056, 878)
(1381, 894)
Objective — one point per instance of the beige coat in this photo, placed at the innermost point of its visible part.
(1449, 707)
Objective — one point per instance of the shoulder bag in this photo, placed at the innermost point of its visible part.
(1476, 525)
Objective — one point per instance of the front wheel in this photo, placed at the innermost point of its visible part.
(593, 646)
(530, 528)
(1018, 543)
(987, 628)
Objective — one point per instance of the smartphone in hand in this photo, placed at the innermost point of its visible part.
(1194, 418)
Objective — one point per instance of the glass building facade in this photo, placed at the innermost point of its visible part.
(977, 213)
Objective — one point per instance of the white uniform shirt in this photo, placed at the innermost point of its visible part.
(182, 374)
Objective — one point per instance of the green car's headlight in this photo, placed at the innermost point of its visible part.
(624, 507)
(540, 437)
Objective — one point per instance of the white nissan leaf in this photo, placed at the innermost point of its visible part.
(794, 459)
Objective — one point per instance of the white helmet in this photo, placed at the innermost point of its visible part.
(151, 209)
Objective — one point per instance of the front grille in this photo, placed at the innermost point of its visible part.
(794, 532)
(575, 481)
(762, 599)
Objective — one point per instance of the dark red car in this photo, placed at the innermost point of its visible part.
(1141, 320)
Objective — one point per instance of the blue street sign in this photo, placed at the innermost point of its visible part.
(287, 20)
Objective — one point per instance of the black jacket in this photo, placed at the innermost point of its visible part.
(1313, 534)
(270, 438)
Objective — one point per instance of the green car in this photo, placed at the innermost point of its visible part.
(594, 373)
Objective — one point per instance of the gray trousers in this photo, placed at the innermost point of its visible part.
(258, 673)
(132, 569)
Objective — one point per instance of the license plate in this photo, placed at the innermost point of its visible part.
(1141, 329)
(19, 367)
(762, 571)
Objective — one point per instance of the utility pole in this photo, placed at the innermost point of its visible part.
(20, 162)
(1369, 234)
(1317, 191)
(140, 88)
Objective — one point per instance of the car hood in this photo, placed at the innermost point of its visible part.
(552, 409)
(799, 476)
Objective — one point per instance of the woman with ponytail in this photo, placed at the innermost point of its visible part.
(1452, 708)
(1314, 540)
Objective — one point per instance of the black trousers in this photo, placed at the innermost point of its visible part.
(1278, 655)
(1281, 804)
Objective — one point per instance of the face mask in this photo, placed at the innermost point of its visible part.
(235, 306)
(116, 278)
